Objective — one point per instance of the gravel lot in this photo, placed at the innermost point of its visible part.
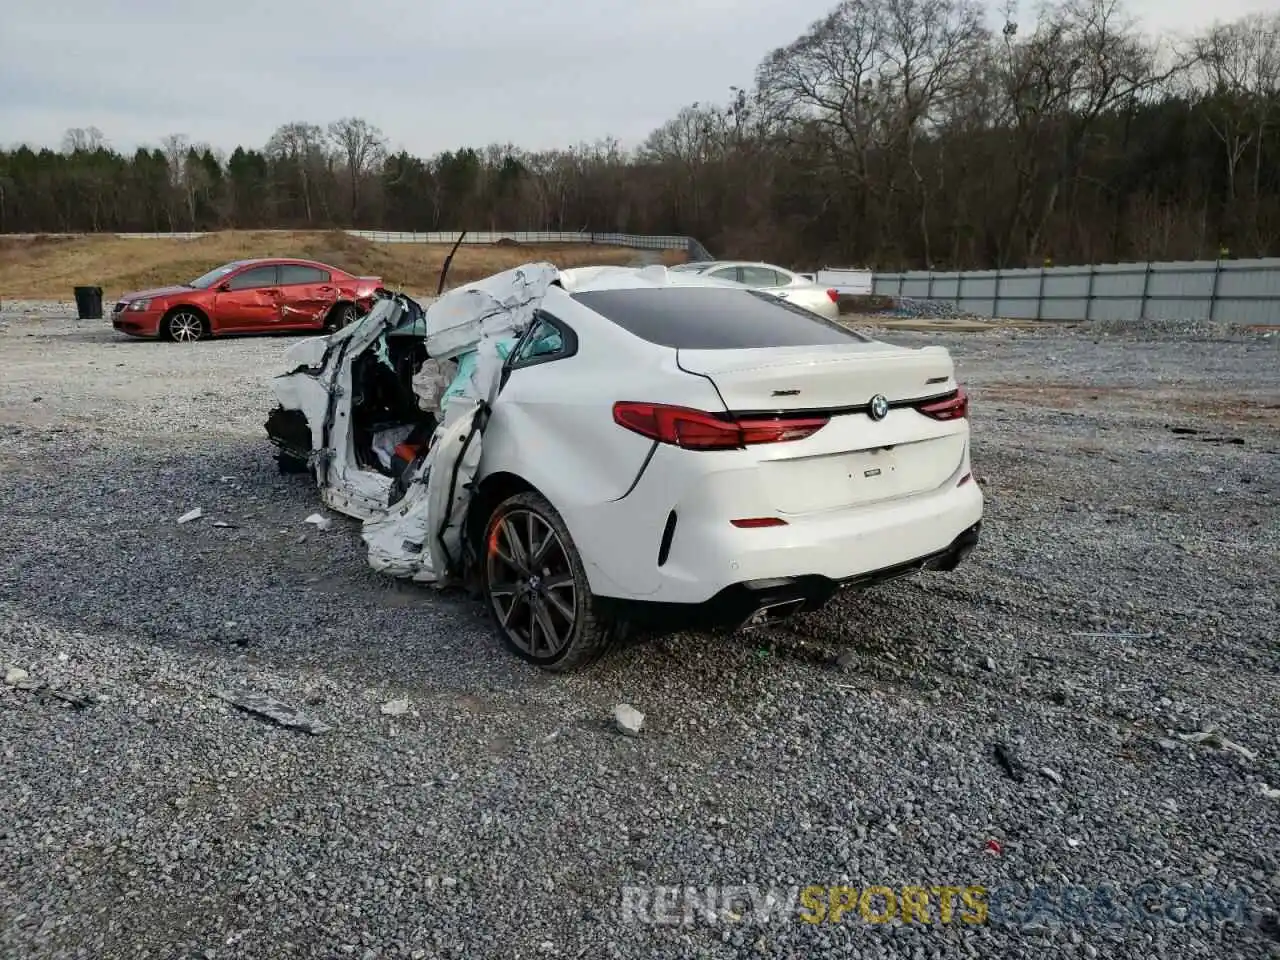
(1124, 594)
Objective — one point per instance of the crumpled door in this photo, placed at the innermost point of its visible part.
(307, 304)
(421, 536)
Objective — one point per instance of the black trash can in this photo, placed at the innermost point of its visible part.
(89, 303)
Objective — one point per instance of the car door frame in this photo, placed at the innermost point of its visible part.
(714, 271)
(772, 287)
(309, 308)
(247, 309)
(513, 361)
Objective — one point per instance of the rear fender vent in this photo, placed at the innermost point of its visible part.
(668, 534)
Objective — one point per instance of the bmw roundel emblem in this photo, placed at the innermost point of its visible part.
(879, 407)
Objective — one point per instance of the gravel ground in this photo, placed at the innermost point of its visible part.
(914, 308)
(1124, 595)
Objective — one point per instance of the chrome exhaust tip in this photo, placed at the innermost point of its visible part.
(771, 613)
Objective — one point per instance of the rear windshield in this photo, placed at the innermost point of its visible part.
(713, 318)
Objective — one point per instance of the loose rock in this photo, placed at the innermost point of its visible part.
(627, 719)
(319, 521)
(396, 708)
(274, 710)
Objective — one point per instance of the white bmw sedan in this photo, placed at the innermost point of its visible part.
(632, 446)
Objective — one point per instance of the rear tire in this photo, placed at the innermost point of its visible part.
(536, 587)
(342, 315)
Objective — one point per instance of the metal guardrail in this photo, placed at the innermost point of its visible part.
(1237, 291)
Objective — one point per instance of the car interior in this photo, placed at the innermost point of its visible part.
(390, 430)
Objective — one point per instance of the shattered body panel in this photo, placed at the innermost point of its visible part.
(413, 522)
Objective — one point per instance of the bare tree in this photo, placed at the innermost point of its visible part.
(1235, 73)
(82, 140)
(363, 147)
(928, 49)
(175, 147)
(687, 144)
(1084, 60)
(871, 80)
(551, 171)
(302, 144)
(827, 77)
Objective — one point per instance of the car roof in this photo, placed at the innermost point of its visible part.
(584, 279)
(262, 261)
(747, 263)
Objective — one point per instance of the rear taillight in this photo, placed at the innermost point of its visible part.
(699, 430)
(833, 295)
(954, 406)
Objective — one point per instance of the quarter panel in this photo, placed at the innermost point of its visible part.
(552, 425)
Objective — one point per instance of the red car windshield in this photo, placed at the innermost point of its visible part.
(213, 276)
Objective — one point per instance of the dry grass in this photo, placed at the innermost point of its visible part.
(49, 267)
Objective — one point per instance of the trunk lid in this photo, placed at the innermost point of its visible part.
(835, 376)
(853, 460)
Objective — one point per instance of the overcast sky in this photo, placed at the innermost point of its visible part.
(433, 74)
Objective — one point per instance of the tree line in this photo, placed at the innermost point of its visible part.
(892, 133)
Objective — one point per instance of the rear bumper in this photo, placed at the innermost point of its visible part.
(824, 306)
(830, 309)
(765, 600)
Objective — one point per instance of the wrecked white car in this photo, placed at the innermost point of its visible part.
(607, 446)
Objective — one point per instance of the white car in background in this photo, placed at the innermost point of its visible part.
(790, 286)
(624, 446)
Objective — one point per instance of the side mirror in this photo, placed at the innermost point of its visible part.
(224, 287)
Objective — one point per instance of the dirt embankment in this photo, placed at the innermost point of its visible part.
(49, 267)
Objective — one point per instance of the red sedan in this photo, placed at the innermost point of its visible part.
(248, 296)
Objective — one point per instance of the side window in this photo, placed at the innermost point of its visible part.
(727, 273)
(761, 277)
(548, 339)
(255, 277)
(291, 273)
